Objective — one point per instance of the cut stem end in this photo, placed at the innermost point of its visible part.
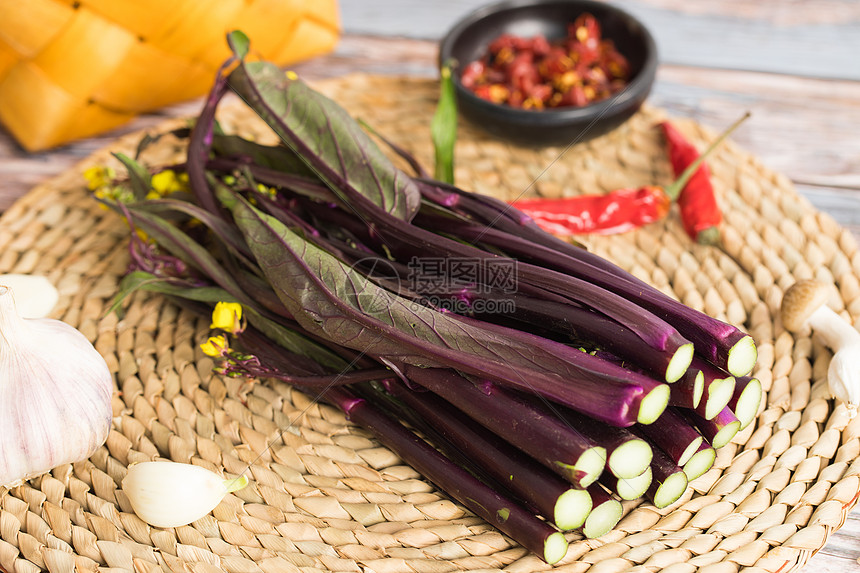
(748, 403)
(726, 433)
(653, 404)
(702, 461)
(670, 490)
(634, 488)
(603, 518)
(591, 464)
(554, 548)
(630, 459)
(742, 357)
(679, 363)
(571, 509)
(720, 392)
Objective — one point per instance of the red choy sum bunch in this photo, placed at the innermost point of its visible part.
(534, 73)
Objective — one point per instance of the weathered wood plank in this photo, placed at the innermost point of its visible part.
(842, 551)
(804, 128)
(814, 145)
(812, 38)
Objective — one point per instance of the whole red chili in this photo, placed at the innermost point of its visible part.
(616, 212)
(627, 209)
(700, 213)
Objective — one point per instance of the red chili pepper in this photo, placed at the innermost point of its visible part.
(616, 212)
(627, 209)
(700, 213)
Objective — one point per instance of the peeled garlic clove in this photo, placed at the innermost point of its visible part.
(35, 296)
(843, 377)
(55, 394)
(171, 494)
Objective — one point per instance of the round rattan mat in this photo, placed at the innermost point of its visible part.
(326, 497)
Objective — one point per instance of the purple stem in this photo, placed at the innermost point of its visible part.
(515, 233)
(557, 445)
(687, 391)
(507, 465)
(200, 142)
(717, 431)
(503, 513)
(596, 328)
(672, 434)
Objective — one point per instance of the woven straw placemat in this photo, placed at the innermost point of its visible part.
(325, 497)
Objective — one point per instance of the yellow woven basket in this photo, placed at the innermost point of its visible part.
(71, 69)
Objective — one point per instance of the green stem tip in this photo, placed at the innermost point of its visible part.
(674, 190)
(236, 484)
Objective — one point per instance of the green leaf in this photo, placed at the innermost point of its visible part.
(285, 337)
(327, 138)
(275, 157)
(139, 177)
(443, 127)
(182, 246)
(330, 299)
(239, 43)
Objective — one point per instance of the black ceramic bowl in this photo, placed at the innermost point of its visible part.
(468, 40)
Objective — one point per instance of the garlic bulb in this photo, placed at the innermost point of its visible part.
(170, 494)
(35, 296)
(55, 394)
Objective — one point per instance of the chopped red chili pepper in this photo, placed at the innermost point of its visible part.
(534, 73)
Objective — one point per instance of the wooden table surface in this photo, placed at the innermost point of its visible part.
(795, 64)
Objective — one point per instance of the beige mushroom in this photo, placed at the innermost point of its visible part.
(805, 304)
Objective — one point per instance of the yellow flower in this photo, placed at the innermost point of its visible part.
(98, 177)
(141, 234)
(114, 194)
(291, 75)
(215, 346)
(271, 192)
(227, 316)
(167, 182)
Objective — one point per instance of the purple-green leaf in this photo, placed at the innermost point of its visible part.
(323, 134)
(332, 300)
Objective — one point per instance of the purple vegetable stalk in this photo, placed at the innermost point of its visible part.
(673, 434)
(688, 390)
(531, 532)
(723, 344)
(560, 447)
(668, 480)
(718, 391)
(594, 327)
(746, 399)
(545, 492)
(719, 430)
(627, 455)
(605, 513)
(333, 301)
